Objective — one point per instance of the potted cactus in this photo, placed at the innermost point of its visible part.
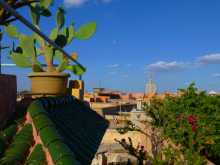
(8, 82)
(48, 78)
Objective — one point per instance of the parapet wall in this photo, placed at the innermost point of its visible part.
(8, 91)
(137, 138)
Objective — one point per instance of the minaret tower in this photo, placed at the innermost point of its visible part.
(151, 87)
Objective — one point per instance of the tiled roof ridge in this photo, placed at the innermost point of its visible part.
(50, 102)
(37, 156)
(51, 139)
(64, 130)
(68, 123)
(37, 141)
(6, 137)
(22, 141)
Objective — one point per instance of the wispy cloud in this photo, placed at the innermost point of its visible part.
(210, 59)
(113, 66)
(216, 75)
(112, 73)
(125, 76)
(114, 42)
(166, 66)
(74, 3)
(106, 1)
(78, 3)
(161, 66)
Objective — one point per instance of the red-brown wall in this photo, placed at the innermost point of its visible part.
(8, 91)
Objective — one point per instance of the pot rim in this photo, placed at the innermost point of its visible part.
(48, 74)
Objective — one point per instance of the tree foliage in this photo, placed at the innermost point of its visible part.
(192, 121)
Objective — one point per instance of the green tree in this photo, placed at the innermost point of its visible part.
(192, 121)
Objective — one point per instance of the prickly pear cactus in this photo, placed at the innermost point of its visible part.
(31, 47)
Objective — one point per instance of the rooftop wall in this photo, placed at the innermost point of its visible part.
(8, 89)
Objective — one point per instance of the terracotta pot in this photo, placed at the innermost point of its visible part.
(46, 83)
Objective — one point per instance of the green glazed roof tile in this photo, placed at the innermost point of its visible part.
(69, 129)
(80, 127)
(37, 156)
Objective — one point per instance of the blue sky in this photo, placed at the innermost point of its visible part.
(177, 41)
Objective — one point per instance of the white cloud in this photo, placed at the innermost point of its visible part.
(114, 42)
(125, 76)
(113, 66)
(174, 65)
(210, 59)
(166, 66)
(77, 3)
(112, 73)
(216, 75)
